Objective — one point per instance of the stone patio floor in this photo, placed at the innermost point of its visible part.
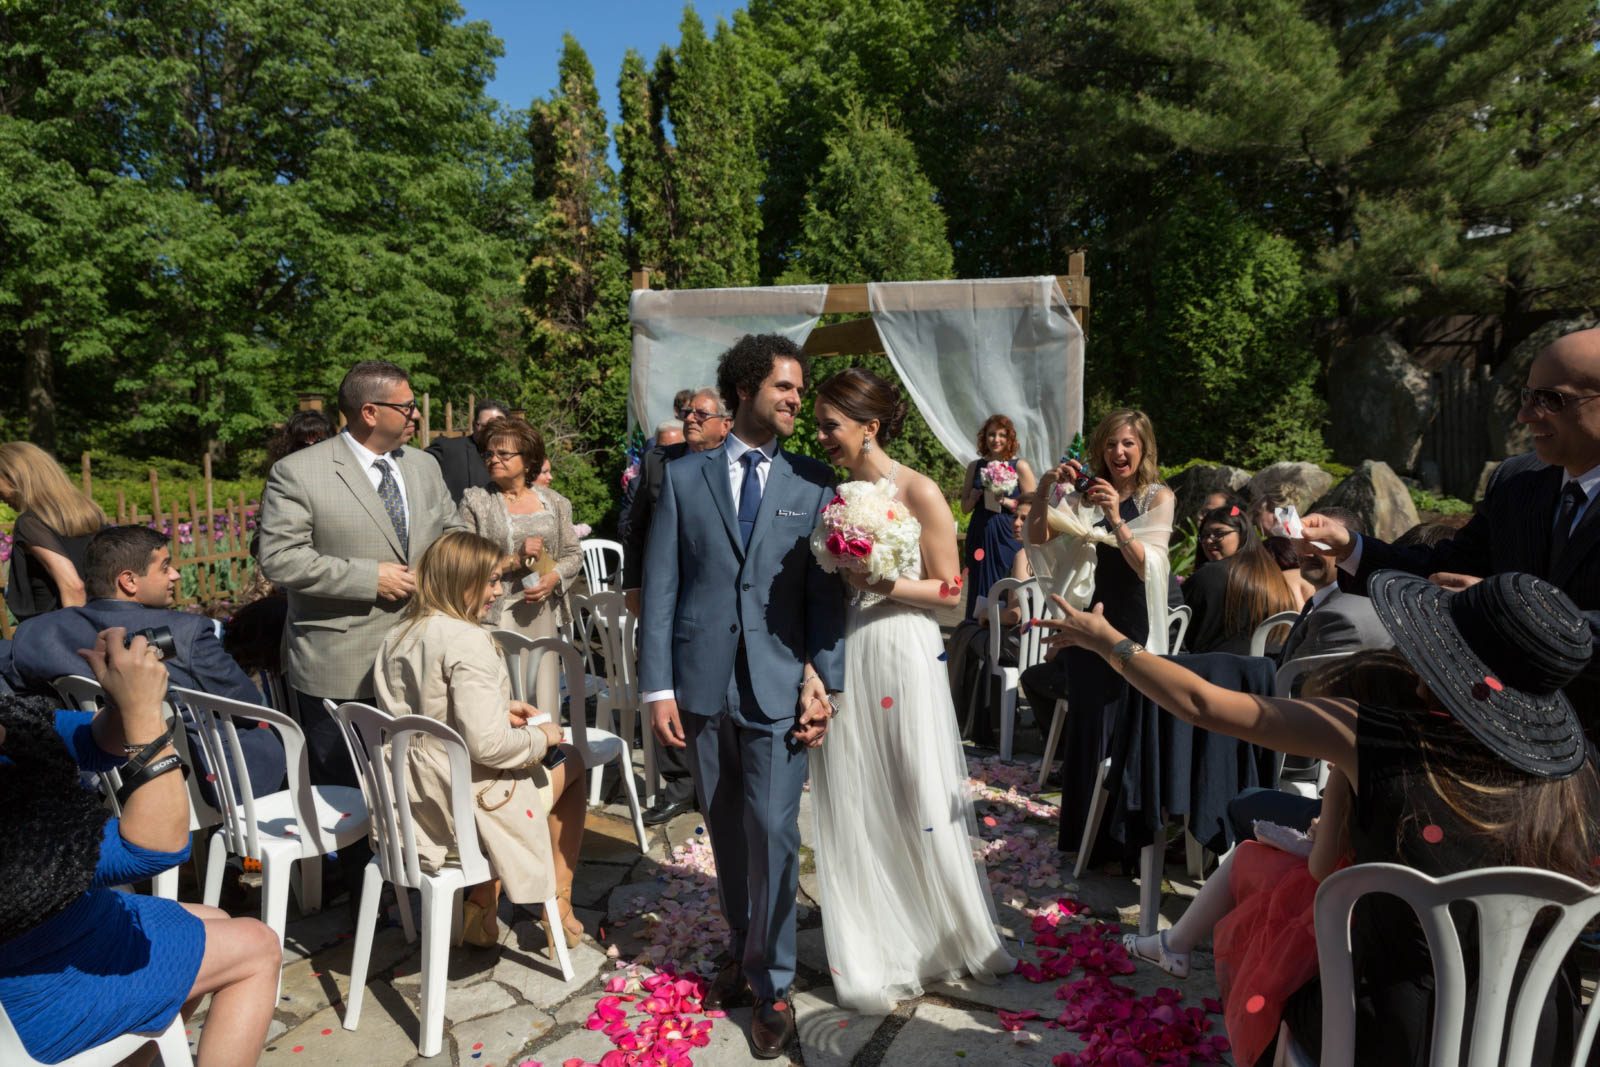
(507, 1006)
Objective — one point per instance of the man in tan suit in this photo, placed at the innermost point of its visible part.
(342, 524)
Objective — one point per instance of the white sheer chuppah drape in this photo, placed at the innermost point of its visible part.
(678, 335)
(970, 349)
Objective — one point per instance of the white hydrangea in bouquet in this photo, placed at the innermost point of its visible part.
(999, 480)
(866, 530)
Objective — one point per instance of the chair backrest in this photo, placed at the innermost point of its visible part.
(1508, 901)
(616, 629)
(378, 743)
(523, 657)
(1031, 601)
(214, 716)
(1292, 671)
(1258, 637)
(276, 688)
(1178, 627)
(598, 572)
(85, 694)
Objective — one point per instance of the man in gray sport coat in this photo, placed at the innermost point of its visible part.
(342, 525)
(742, 643)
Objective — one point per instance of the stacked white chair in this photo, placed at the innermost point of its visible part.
(1030, 648)
(596, 746)
(304, 822)
(171, 1044)
(85, 694)
(1508, 901)
(614, 632)
(378, 744)
(600, 573)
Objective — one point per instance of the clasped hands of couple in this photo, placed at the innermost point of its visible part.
(814, 707)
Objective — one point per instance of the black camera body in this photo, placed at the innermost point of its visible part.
(160, 637)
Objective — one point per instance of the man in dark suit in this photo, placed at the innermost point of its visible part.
(1539, 516)
(459, 459)
(130, 579)
(705, 426)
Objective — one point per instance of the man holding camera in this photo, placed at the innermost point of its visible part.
(130, 579)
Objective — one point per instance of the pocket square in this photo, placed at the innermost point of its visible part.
(782, 514)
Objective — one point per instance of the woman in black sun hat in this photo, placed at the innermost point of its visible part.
(1486, 766)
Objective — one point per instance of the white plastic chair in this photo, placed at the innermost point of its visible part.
(599, 573)
(171, 1044)
(1508, 901)
(1258, 636)
(1306, 777)
(378, 744)
(1030, 648)
(1178, 620)
(609, 622)
(303, 822)
(85, 694)
(597, 747)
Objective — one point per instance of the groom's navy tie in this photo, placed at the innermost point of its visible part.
(750, 494)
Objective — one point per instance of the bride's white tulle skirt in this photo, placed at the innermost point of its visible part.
(904, 899)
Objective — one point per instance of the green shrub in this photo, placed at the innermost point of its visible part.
(1439, 505)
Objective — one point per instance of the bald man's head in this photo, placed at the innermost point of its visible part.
(1561, 404)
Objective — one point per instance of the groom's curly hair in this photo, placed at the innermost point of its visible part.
(746, 365)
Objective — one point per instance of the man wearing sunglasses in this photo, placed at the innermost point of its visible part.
(343, 524)
(1540, 515)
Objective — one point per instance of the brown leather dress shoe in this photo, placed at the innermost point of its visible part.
(728, 989)
(771, 1028)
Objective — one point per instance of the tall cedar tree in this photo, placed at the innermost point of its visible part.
(649, 207)
(575, 285)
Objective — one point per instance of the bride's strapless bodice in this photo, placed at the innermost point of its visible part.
(868, 601)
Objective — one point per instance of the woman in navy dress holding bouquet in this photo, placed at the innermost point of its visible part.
(997, 485)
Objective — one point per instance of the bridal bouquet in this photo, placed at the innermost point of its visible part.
(864, 528)
(999, 480)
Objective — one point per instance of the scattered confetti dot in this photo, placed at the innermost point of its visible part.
(926, 829)
(699, 829)
(326, 1032)
(211, 777)
(266, 726)
(477, 1046)
(1493, 683)
(1255, 1004)
(843, 1023)
(530, 813)
(887, 702)
(990, 820)
(298, 1048)
(977, 554)
(943, 656)
(1432, 834)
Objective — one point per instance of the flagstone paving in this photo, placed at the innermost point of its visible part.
(507, 1007)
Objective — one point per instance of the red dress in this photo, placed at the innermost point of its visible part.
(1266, 947)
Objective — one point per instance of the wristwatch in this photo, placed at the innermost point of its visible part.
(1125, 650)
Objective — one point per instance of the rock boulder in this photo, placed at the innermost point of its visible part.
(1380, 403)
(1376, 493)
(1195, 484)
(1299, 484)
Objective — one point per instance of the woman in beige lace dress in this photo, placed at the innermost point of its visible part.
(534, 524)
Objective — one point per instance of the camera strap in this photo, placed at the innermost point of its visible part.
(140, 756)
(148, 773)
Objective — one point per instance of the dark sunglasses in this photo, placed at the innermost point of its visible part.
(1213, 538)
(1552, 401)
(409, 408)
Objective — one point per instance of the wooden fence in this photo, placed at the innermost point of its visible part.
(211, 538)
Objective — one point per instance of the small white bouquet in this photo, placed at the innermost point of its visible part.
(865, 529)
(999, 481)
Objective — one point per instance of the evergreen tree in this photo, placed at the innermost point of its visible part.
(715, 175)
(575, 286)
(649, 208)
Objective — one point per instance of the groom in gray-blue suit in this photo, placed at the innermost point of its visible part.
(741, 649)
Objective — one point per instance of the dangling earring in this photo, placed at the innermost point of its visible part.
(866, 446)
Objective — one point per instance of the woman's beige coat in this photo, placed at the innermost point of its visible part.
(450, 670)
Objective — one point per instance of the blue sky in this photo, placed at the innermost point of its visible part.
(532, 29)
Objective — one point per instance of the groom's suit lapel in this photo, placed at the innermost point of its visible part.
(778, 480)
(715, 469)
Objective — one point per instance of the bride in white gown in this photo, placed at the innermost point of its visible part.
(904, 898)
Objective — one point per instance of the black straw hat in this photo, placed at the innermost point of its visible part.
(1497, 655)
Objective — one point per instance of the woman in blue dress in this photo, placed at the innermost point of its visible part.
(992, 541)
(81, 964)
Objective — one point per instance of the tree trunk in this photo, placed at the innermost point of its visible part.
(38, 377)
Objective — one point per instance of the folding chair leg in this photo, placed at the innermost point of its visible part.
(165, 884)
(1091, 825)
(633, 799)
(1150, 872)
(366, 923)
(1008, 719)
(216, 861)
(275, 892)
(1057, 720)
(436, 900)
(595, 774)
(563, 955)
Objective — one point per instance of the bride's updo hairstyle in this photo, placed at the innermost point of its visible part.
(862, 396)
